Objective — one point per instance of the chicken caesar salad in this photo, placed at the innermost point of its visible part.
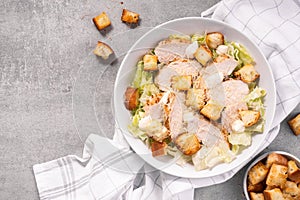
(196, 97)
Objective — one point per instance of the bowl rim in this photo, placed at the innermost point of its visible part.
(217, 22)
(261, 157)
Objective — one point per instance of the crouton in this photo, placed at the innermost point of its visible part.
(131, 98)
(259, 187)
(287, 196)
(158, 148)
(101, 21)
(195, 98)
(212, 110)
(277, 159)
(249, 117)
(214, 39)
(293, 171)
(274, 194)
(129, 17)
(256, 196)
(277, 175)
(188, 143)
(291, 189)
(203, 55)
(270, 187)
(199, 83)
(183, 82)
(150, 62)
(295, 124)
(247, 73)
(103, 50)
(257, 173)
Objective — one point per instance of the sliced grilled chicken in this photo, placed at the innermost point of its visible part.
(235, 91)
(177, 68)
(231, 114)
(225, 65)
(176, 114)
(170, 49)
(207, 133)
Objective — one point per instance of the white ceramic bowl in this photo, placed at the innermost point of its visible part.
(189, 26)
(262, 157)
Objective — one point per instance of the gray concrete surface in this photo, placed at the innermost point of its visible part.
(44, 47)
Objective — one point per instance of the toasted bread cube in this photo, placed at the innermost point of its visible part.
(129, 17)
(188, 143)
(277, 175)
(150, 62)
(249, 117)
(212, 110)
(295, 124)
(199, 83)
(183, 82)
(131, 98)
(257, 196)
(291, 189)
(287, 196)
(203, 55)
(247, 73)
(269, 187)
(101, 21)
(158, 148)
(214, 39)
(195, 98)
(259, 187)
(293, 171)
(276, 158)
(274, 194)
(257, 173)
(103, 50)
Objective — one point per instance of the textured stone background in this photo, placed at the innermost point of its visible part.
(43, 44)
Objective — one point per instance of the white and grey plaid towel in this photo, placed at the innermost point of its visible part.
(118, 173)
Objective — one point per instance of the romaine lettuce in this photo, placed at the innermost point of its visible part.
(199, 38)
(240, 53)
(243, 138)
(180, 36)
(147, 91)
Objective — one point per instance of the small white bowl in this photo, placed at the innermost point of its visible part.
(262, 157)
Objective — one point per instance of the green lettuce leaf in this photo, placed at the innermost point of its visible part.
(241, 54)
(180, 36)
(240, 138)
(199, 38)
(134, 126)
(254, 101)
(141, 77)
(147, 91)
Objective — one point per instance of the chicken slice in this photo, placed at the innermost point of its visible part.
(171, 49)
(225, 66)
(235, 91)
(177, 68)
(231, 114)
(206, 132)
(176, 114)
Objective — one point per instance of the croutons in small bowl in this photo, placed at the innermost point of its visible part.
(273, 175)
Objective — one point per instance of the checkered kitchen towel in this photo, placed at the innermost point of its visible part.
(118, 173)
